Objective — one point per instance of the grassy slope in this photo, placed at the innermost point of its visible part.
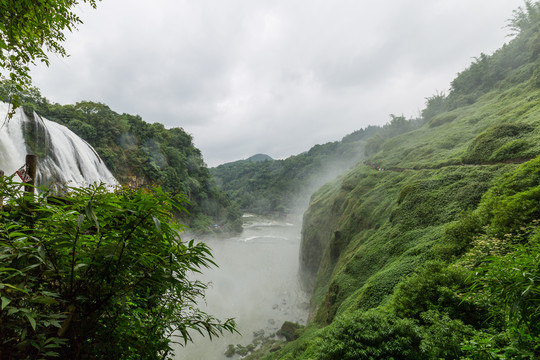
(385, 231)
(439, 144)
(369, 230)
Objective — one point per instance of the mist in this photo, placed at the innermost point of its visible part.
(256, 283)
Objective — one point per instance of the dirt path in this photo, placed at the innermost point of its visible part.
(489, 163)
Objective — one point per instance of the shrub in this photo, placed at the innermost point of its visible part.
(290, 330)
(511, 150)
(443, 336)
(435, 286)
(458, 235)
(509, 283)
(97, 274)
(368, 335)
(487, 145)
(514, 200)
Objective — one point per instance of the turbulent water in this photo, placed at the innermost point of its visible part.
(256, 283)
(64, 158)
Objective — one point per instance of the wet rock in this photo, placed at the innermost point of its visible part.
(241, 350)
(230, 351)
(244, 350)
(290, 330)
(258, 334)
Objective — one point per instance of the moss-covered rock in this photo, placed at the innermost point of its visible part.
(290, 330)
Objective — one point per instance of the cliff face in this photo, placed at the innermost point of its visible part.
(376, 224)
(364, 233)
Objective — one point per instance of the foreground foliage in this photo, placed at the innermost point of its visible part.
(29, 30)
(97, 274)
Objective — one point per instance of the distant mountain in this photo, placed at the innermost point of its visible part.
(259, 157)
(265, 186)
(252, 159)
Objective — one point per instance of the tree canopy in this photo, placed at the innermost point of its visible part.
(29, 30)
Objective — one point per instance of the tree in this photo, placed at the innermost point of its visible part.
(98, 274)
(434, 105)
(524, 18)
(28, 30)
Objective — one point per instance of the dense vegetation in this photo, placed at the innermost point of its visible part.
(437, 256)
(280, 187)
(97, 274)
(143, 154)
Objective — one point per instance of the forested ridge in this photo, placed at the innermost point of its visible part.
(429, 248)
(281, 187)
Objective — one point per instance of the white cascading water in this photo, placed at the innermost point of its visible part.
(64, 158)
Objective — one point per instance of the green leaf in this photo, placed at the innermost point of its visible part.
(12, 311)
(15, 288)
(31, 320)
(78, 266)
(89, 210)
(80, 221)
(44, 300)
(5, 302)
(157, 223)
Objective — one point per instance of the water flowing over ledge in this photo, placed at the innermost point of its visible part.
(64, 158)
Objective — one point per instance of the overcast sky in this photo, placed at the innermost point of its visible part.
(271, 76)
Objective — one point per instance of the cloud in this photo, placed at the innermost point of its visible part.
(267, 76)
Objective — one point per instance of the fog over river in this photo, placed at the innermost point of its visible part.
(256, 283)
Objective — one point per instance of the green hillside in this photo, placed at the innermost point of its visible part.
(438, 255)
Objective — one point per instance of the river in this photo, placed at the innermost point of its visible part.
(256, 283)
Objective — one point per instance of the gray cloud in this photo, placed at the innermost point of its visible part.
(271, 76)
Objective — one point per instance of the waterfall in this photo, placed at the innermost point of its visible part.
(64, 158)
